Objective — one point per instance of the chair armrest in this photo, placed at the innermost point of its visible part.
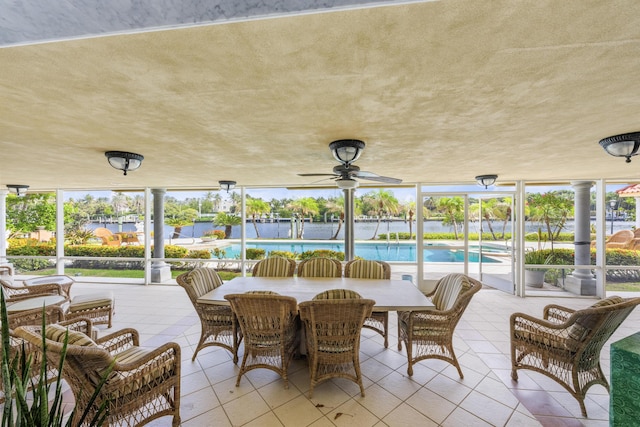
(119, 340)
(44, 289)
(557, 313)
(526, 323)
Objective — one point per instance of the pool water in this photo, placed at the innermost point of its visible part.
(375, 251)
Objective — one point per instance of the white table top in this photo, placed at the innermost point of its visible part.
(35, 302)
(389, 295)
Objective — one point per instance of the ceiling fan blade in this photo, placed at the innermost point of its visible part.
(317, 174)
(375, 177)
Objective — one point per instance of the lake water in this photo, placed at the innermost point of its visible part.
(324, 231)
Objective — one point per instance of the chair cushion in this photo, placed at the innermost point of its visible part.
(89, 301)
(337, 294)
(204, 280)
(57, 333)
(365, 269)
(447, 291)
(583, 324)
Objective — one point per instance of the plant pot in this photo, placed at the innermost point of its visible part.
(534, 278)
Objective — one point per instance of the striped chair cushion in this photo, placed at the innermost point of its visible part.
(319, 267)
(272, 267)
(447, 292)
(365, 269)
(337, 294)
(89, 301)
(204, 280)
(57, 333)
(262, 293)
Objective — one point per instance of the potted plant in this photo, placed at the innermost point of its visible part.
(209, 235)
(534, 277)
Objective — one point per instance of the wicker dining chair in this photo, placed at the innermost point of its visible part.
(219, 326)
(143, 383)
(428, 334)
(269, 324)
(565, 344)
(274, 267)
(367, 269)
(320, 267)
(333, 321)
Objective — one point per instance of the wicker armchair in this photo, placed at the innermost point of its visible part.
(320, 267)
(144, 383)
(565, 344)
(269, 324)
(428, 334)
(107, 237)
(219, 326)
(365, 269)
(53, 314)
(333, 321)
(14, 293)
(619, 240)
(274, 267)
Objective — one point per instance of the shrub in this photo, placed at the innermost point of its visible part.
(255, 253)
(283, 254)
(322, 253)
(219, 234)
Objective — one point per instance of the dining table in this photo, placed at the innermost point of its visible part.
(389, 295)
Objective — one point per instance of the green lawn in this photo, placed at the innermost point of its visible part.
(129, 274)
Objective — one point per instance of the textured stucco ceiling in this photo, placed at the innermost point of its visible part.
(439, 91)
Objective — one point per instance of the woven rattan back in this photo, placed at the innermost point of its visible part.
(274, 267)
(269, 325)
(333, 329)
(320, 267)
(367, 269)
(199, 281)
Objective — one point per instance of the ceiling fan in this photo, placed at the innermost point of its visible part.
(347, 151)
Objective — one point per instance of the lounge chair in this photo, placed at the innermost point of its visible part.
(108, 238)
(619, 240)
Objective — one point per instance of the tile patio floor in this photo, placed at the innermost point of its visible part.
(434, 396)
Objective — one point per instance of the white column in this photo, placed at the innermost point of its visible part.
(3, 226)
(59, 231)
(160, 271)
(581, 281)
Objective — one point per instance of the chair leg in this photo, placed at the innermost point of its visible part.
(386, 331)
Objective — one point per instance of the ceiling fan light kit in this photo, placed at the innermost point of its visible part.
(347, 184)
(624, 145)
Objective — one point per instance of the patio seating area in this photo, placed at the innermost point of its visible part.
(434, 395)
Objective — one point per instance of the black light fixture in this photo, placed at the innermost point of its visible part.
(486, 180)
(227, 185)
(17, 188)
(346, 151)
(124, 161)
(624, 145)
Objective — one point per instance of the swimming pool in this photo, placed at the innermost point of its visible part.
(379, 251)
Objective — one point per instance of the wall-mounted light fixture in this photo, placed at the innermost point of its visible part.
(227, 185)
(624, 145)
(124, 161)
(346, 151)
(486, 180)
(20, 189)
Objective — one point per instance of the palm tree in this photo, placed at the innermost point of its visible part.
(256, 208)
(453, 209)
(336, 206)
(410, 210)
(227, 221)
(304, 206)
(383, 202)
